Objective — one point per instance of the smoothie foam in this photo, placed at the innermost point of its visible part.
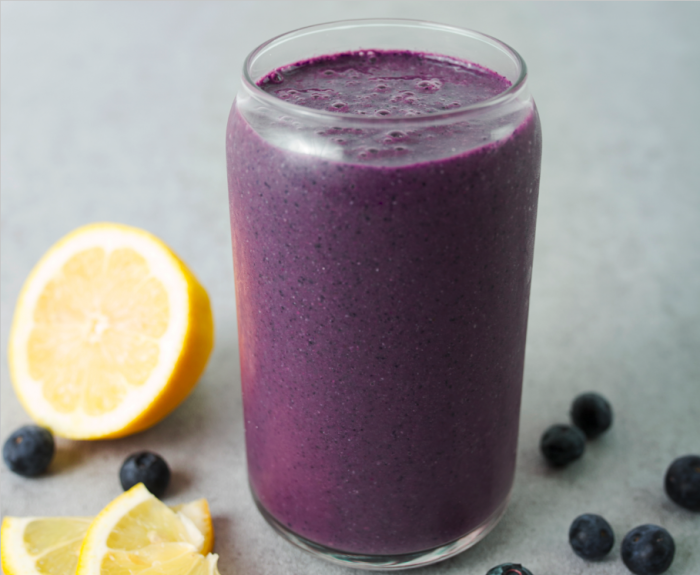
(382, 304)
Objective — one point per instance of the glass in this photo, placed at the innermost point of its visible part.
(382, 269)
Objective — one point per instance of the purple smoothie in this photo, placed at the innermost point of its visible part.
(382, 303)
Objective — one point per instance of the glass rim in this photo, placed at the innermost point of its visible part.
(294, 109)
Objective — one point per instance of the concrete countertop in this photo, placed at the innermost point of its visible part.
(116, 111)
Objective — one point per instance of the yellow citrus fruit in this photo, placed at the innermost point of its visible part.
(111, 332)
(137, 533)
(41, 545)
(51, 545)
(198, 512)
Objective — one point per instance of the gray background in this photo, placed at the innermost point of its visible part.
(117, 111)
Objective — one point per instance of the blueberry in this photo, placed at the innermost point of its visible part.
(562, 444)
(509, 569)
(648, 550)
(147, 468)
(592, 414)
(682, 482)
(29, 450)
(591, 536)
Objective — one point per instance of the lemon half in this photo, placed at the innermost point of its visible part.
(111, 332)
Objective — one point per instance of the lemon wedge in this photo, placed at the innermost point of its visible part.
(166, 559)
(42, 545)
(138, 533)
(111, 332)
(198, 512)
(51, 545)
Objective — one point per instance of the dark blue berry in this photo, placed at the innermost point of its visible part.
(682, 482)
(562, 444)
(591, 536)
(29, 450)
(592, 414)
(147, 468)
(648, 550)
(509, 569)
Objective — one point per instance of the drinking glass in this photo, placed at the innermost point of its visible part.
(382, 271)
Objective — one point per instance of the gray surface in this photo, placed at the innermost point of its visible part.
(117, 112)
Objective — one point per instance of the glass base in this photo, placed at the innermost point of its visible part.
(387, 562)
